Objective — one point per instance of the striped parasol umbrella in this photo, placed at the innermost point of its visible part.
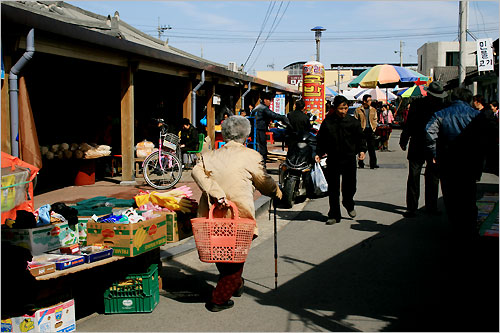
(415, 91)
(387, 76)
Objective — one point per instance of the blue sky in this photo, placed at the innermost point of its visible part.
(357, 31)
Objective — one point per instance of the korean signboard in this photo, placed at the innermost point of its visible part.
(278, 104)
(484, 55)
(313, 89)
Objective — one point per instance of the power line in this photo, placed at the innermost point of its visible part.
(271, 5)
(271, 30)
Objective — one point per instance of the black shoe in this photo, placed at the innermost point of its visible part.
(361, 166)
(332, 221)
(374, 167)
(239, 291)
(219, 307)
(410, 214)
(352, 213)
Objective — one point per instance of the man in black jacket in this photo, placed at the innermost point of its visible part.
(341, 138)
(189, 138)
(299, 123)
(263, 116)
(421, 111)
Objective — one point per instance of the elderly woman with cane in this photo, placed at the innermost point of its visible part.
(231, 173)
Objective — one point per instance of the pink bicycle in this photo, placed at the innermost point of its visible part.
(162, 169)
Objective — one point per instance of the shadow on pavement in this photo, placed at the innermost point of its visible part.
(186, 288)
(410, 276)
(388, 207)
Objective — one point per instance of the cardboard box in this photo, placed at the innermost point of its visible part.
(37, 268)
(57, 318)
(172, 228)
(129, 240)
(177, 230)
(20, 324)
(82, 229)
(42, 239)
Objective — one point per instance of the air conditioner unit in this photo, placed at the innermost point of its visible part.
(232, 66)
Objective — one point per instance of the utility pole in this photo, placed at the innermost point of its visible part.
(462, 41)
(401, 43)
(162, 29)
(401, 53)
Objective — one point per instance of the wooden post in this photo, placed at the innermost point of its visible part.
(6, 142)
(127, 126)
(186, 105)
(210, 92)
(237, 107)
(287, 103)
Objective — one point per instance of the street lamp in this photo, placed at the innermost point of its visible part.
(317, 34)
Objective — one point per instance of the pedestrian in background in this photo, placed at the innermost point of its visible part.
(263, 116)
(367, 116)
(386, 118)
(454, 139)
(188, 139)
(420, 113)
(341, 138)
(299, 123)
(232, 173)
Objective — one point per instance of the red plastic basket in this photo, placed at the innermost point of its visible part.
(223, 239)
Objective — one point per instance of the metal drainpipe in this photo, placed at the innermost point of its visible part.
(14, 91)
(193, 98)
(244, 94)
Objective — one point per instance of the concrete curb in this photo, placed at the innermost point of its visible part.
(188, 245)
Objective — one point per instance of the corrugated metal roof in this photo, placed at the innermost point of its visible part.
(110, 25)
(109, 31)
(445, 74)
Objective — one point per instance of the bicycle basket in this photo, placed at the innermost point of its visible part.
(223, 239)
(171, 141)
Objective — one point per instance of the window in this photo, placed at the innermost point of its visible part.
(451, 58)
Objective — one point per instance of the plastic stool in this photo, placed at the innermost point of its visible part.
(271, 137)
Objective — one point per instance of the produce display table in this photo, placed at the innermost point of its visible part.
(78, 268)
(87, 283)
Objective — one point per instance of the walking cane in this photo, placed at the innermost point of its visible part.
(275, 249)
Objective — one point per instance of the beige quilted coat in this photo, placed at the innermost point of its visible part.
(234, 172)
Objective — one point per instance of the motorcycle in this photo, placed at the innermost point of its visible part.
(295, 172)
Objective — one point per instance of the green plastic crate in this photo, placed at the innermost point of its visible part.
(137, 293)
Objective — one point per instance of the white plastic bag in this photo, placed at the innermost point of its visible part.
(319, 180)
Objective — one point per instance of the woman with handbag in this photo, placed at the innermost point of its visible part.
(341, 138)
(231, 173)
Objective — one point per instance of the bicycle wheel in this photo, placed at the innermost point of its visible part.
(163, 176)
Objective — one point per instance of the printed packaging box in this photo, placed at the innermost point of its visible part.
(42, 239)
(57, 318)
(20, 324)
(130, 240)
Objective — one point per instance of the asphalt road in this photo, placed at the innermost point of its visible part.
(377, 272)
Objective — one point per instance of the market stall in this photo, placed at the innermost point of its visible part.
(89, 253)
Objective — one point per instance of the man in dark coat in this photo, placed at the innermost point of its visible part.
(421, 111)
(189, 138)
(455, 136)
(341, 138)
(263, 116)
(299, 123)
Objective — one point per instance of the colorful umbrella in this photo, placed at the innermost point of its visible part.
(330, 91)
(415, 91)
(376, 94)
(387, 76)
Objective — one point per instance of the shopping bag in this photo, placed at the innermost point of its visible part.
(319, 180)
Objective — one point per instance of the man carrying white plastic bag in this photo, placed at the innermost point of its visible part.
(340, 137)
(319, 180)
